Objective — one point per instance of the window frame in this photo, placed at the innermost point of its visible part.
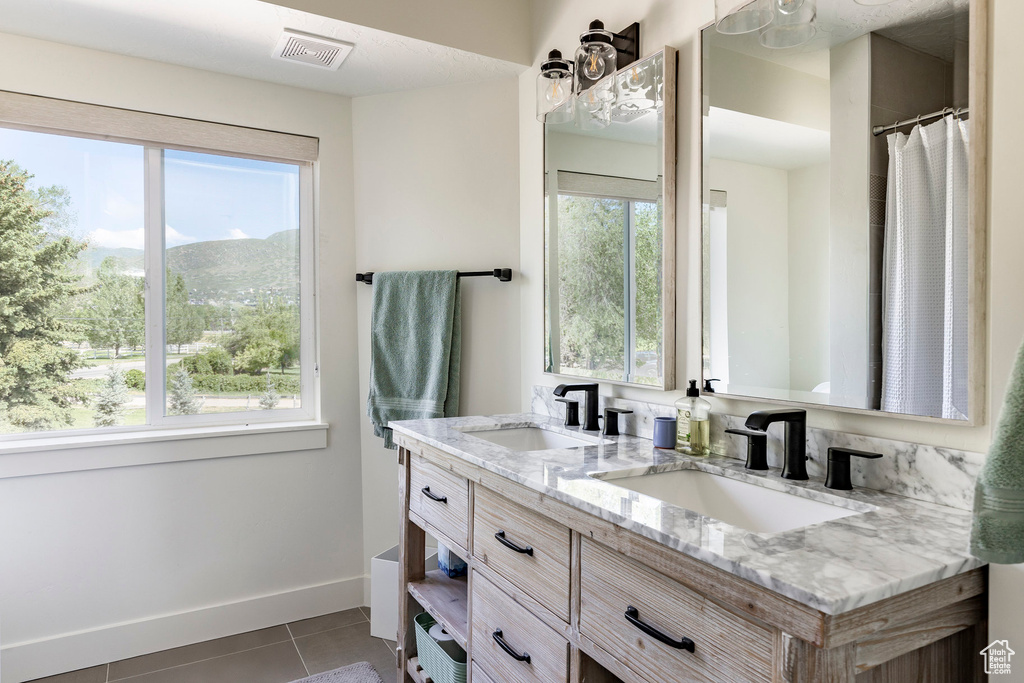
(156, 133)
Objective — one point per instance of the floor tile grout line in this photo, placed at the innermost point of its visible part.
(365, 619)
(249, 649)
(297, 651)
(206, 659)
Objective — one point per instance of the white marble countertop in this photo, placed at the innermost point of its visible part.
(893, 545)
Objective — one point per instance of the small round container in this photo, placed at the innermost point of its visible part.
(664, 432)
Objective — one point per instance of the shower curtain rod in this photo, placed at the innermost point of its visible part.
(960, 111)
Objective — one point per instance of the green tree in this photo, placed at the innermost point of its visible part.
(61, 218)
(116, 308)
(266, 335)
(270, 398)
(181, 396)
(591, 281)
(37, 281)
(184, 322)
(258, 355)
(112, 399)
(648, 240)
(591, 234)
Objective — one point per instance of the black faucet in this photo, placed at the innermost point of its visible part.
(795, 465)
(757, 447)
(590, 391)
(838, 473)
(611, 420)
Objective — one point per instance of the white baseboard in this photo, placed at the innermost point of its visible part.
(28, 660)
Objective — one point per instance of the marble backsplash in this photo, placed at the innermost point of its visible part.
(936, 475)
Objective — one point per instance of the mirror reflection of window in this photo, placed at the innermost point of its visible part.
(718, 286)
(609, 281)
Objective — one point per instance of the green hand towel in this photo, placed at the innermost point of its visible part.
(415, 348)
(997, 534)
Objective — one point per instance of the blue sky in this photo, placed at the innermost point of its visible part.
(207, 197)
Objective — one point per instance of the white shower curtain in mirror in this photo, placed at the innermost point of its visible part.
(924, 281)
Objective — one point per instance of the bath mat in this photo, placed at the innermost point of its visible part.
(353, 673)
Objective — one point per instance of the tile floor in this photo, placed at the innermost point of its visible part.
(279, 654)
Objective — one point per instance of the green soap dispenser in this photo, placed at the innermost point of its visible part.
(693, 423)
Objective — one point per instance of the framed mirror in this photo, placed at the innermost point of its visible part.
(844, 207)
(609, 240)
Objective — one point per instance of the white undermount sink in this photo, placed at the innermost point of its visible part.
(739, 503)
(532, 439)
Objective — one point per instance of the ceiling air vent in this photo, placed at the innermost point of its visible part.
(323, 53)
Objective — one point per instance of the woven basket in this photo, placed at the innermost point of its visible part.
(435, 661)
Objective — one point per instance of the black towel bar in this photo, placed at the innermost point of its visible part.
(503, 275)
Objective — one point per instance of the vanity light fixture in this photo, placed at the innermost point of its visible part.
(792, 26)
(733, 17)
(596, 56)
(788, 7)
(594, 105)
(602, 52)
(584, 90)
(555, 90)
(637, 91)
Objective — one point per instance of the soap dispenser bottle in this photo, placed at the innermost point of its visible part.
(693, 423)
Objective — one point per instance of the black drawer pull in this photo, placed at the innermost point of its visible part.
(526, 550)
(431, 496)
(633, 617)
(500, 640)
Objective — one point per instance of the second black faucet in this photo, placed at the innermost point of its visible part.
(795, 465)
(590, 409)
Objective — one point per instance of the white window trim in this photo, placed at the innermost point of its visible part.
(57, 452)
(158, 132)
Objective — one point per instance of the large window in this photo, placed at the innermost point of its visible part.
(145, 285)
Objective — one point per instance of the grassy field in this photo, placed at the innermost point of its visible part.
(83, 417)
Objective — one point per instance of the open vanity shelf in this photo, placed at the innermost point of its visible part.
(447, 600)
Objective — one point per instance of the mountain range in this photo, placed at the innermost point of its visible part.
(219, 270)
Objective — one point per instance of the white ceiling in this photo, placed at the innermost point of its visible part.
(765, 142)
(237, 37)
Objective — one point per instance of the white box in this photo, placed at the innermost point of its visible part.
(384, 592)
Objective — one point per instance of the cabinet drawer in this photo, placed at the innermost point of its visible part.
(441, 499)
(496, 615)
(538, 563)
(726, 647)
(479, 676)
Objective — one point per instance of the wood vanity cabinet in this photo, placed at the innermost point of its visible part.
(590, 602)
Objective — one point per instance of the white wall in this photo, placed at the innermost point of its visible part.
(1006, 277)
(436, 186)
(850, 223)
(757, 215)
(762, 88)
(808, 277)
(557, 23)
(600, 156)
(101, 565)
